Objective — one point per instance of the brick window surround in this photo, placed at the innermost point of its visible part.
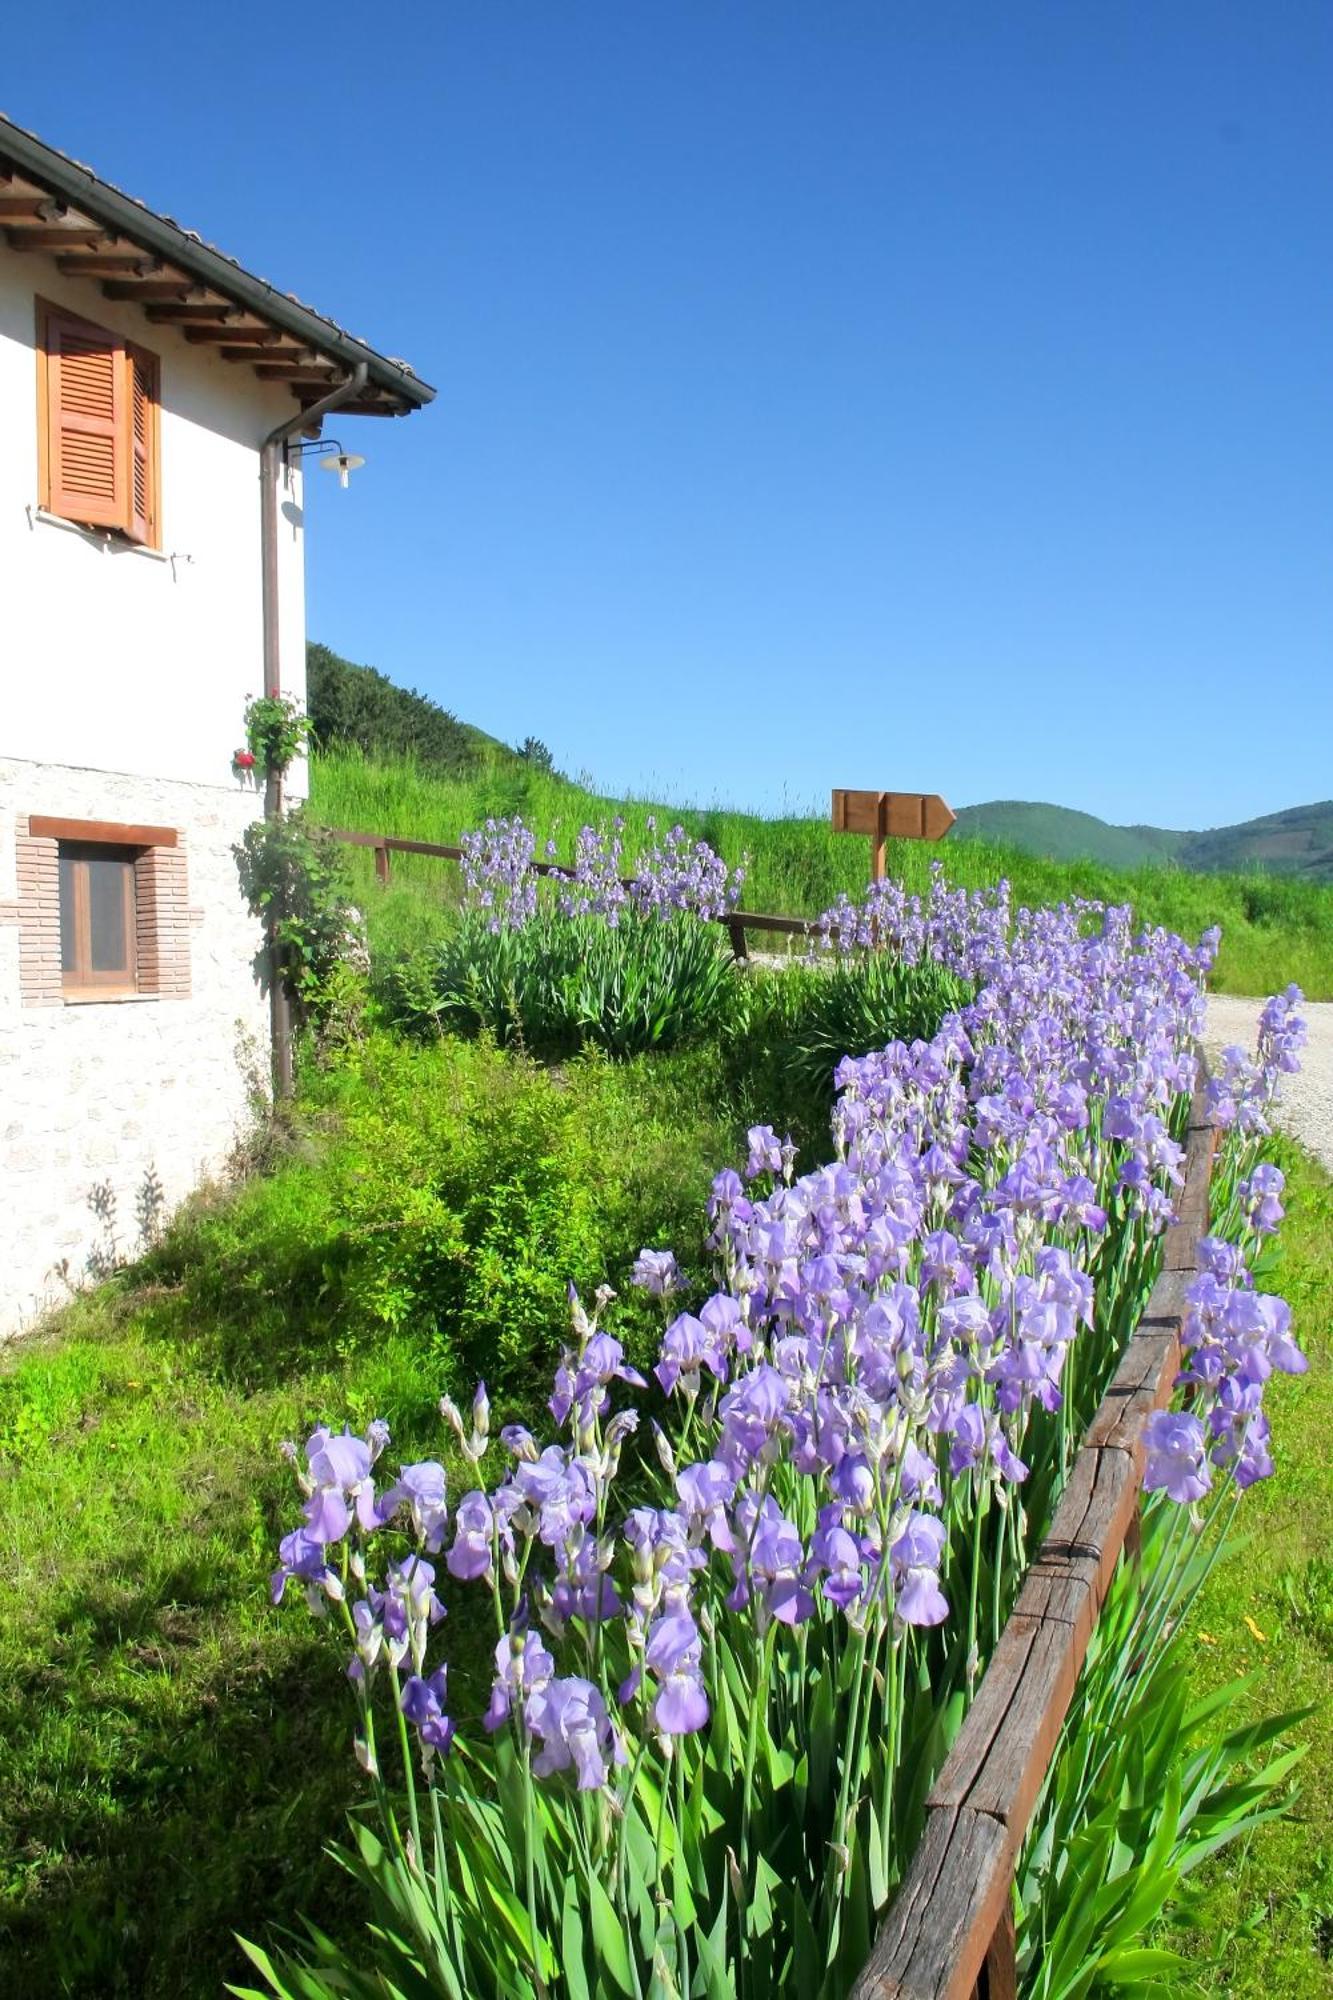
(161, 908)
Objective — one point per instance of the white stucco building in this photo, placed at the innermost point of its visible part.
(151, 577)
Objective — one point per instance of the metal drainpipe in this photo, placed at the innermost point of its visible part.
(271, 456)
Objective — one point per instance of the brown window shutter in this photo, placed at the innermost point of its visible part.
(88, 473)
(142, 389)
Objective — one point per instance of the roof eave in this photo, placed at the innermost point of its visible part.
(129, 218)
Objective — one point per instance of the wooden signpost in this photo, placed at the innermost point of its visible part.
(890, 816)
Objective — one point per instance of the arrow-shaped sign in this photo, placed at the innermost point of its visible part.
(890, 816)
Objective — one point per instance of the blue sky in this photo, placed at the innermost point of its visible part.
(830, 393)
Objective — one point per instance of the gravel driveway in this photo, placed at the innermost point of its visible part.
(1305, 1108)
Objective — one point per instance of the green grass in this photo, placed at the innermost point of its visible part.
(1266, 1913)
(1275, 930)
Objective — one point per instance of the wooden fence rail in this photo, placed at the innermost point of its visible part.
(738, 922)
(949, 1932)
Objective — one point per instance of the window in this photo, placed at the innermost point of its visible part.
(98, 919)
(97, 427)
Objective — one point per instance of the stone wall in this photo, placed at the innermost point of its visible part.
(111, 1111)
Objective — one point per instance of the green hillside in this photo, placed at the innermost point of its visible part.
(1298, 841)
(359, 707)
(1276, 929)
(389, 760)
(1062, 834)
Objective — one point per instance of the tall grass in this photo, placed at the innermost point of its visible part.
(1274, 929)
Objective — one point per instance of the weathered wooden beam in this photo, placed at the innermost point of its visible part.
(151, 291)
(934, 1940)
(1192, 1208)
(34, 207)
(177, 314)
(391, 406)
(101, 832)
(21, 237)
(95, 264)
(235, 336)
(297, 371)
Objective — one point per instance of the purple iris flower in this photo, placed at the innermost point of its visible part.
(835, 1557)
(673, 1653)
(705, 1492)
(304, 1558)
(562, 1489)
(914, 1561)
(978, 1436)
(421, 1489)
(688, 1347)
(474, 1538)
(522, 1665)
(339, 1476)
(1259, 1197)
(656, 1271)
(770, 1561)
(582, 1381)
(1243, 1449)
(1175, 1445)
(722, 1317)
(751, 1412)
(1258, 1327)
(575, 1730)
(765, 1156)
(423, 1705)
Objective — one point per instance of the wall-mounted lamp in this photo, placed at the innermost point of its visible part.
(331, 456)
(345, 462)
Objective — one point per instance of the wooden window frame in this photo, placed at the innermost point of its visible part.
(83, 980)
(145, 531)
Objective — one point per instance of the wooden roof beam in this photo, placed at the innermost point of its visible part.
(22, 237)
(255, 336)
(307, 372)
(392, 406)
(208, 312)
(154, 290)
(29, 207)
(94, 264)
(275, 356)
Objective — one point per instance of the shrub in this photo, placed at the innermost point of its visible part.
(793, 1028)
(560, 983)
(448, 1193)
(292, 879)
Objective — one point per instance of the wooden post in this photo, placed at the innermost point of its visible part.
(736, 932)
(382, 865)
(999, 1975)
(879, 842)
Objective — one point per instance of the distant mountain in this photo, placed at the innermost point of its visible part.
(1296, 842)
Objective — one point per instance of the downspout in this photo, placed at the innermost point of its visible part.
(272, 456)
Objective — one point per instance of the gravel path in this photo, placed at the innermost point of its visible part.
(1305, 1108)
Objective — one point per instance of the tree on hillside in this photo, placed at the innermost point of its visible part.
(354, 704)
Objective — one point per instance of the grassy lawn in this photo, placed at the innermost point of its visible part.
(1266, 1912)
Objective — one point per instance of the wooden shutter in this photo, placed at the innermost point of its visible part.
(142, 390)
(87, 471)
